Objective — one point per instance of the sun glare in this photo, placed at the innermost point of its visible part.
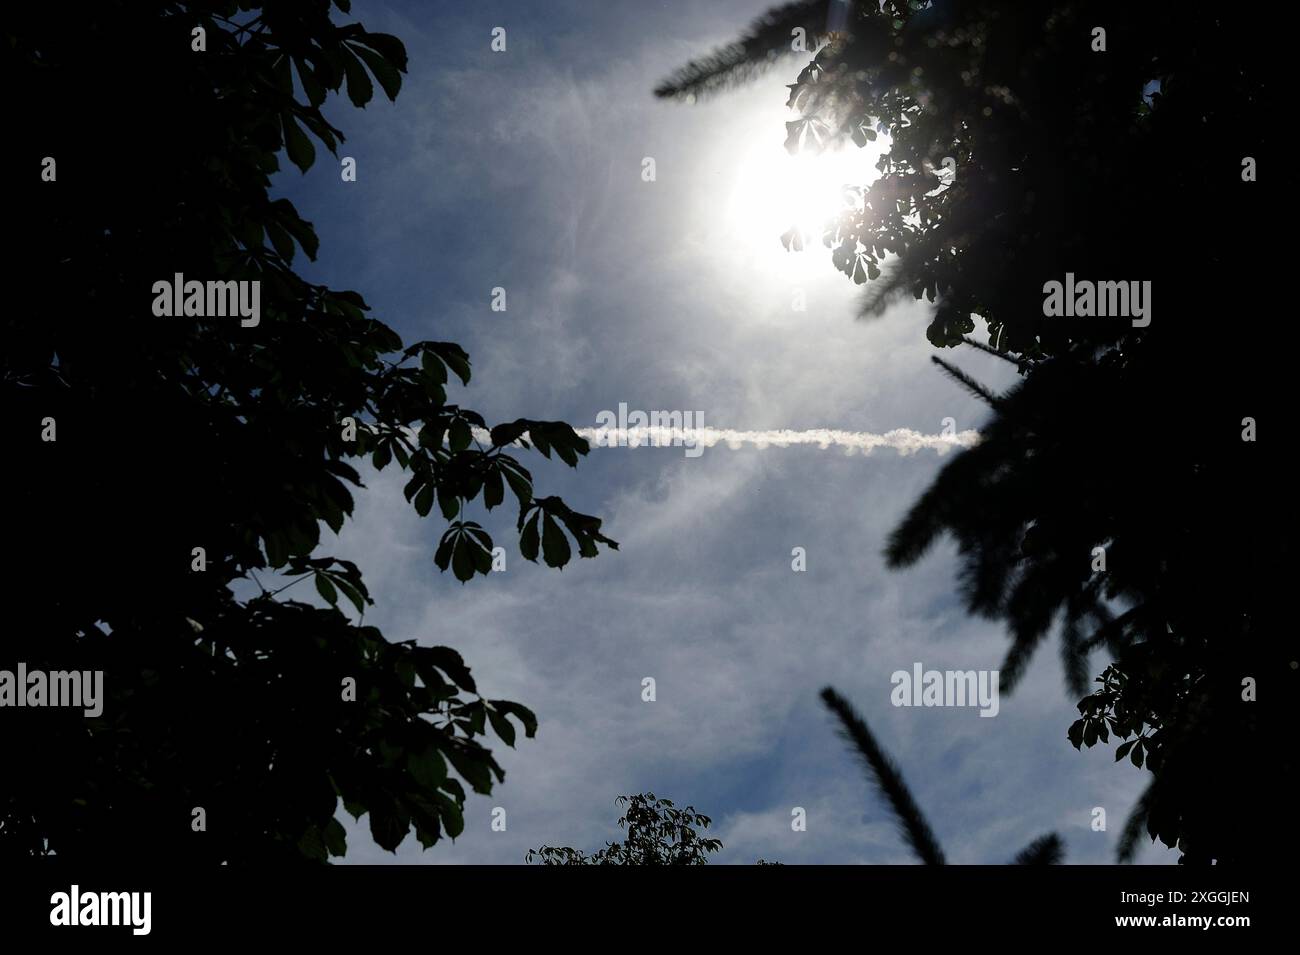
(775, 191)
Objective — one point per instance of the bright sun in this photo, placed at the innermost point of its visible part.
(774, 190)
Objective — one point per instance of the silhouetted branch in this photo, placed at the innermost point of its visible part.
(1019, 363)
(1045, 850)
(887, 779)
(768, 38)
(1133, 828)
(973, 386)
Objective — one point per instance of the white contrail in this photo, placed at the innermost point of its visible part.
(902, 440)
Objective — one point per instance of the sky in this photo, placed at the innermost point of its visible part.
(523, 170)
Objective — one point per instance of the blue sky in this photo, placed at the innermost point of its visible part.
(522, 170)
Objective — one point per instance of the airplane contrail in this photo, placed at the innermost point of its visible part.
(902, 440)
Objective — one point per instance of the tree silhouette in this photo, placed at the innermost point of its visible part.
(159, 461)
(658, 833)
(1054, 146)
(1192, 627)
(1119, 488)
(912, 824)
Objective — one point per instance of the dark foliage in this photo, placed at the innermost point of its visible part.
(658, 833)
(1117, 165)
(177, 433)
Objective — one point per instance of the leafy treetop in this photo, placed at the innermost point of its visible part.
(182, 433)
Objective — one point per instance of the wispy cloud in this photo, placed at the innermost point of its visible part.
(522, 170)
